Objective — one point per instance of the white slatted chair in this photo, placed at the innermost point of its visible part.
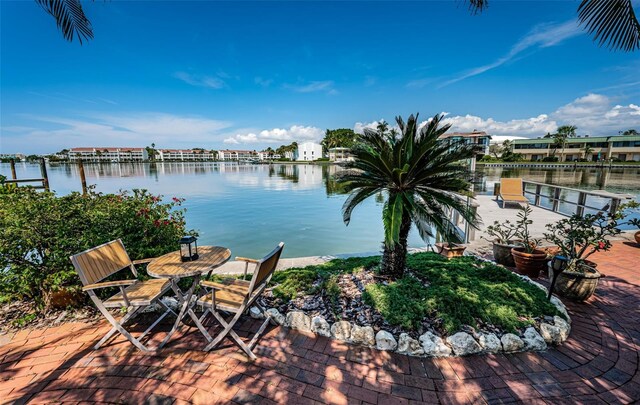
(98, 263)
(236, 296)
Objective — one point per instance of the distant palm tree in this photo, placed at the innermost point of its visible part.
(420, 177)
(562, 134)
(612, 23)
(587, 150)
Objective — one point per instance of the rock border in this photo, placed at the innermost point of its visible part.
(534, 338)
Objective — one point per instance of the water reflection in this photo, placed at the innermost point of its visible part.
(251, 207)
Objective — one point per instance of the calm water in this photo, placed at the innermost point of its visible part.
(249, 208)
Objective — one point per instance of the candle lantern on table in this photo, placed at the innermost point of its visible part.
(188, 248)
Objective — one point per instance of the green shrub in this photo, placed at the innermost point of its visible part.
(402, 302)
(39, 231)
(460, 291)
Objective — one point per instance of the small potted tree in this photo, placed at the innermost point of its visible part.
(578, 238)
(504, 239)
(529, 260)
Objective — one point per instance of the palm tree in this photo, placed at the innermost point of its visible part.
(587, 150)
(420, 177)
(612, 23)
(562, 134)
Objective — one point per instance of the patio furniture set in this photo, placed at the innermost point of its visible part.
(226, 300)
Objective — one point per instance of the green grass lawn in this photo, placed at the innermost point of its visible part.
(460, 291)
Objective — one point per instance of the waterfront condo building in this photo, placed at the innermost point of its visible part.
(479, 138)
(182, 155)
(340, 155)
(229, 154)
(309, 151)
(624, 148)
(108, 154)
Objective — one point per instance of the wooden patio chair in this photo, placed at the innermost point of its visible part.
(235, 296)
(511, 191)
(100, 262)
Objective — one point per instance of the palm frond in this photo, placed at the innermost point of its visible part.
(612, 23)
(478, 6)
(354, 199)
(70, 18)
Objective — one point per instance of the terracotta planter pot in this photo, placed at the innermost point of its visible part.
(576, 285)
(502, 252)
(529, 264)
(637, 237)
(450, 251)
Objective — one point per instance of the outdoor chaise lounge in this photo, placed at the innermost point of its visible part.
(98, 263)
(235, 296)
(511, 191)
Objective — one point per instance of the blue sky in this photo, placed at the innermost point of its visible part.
(253, 74)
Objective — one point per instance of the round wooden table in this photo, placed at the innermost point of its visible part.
(170, 266)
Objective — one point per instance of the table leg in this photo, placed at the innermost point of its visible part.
(186, 302)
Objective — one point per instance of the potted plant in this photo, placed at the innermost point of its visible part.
(635, 221)
(529, 260)
(503, 241)
(578, 237)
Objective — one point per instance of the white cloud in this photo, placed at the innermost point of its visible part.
(296, 133)
(596, 114)
(262, 81)
(48, 134)
(523, 127)
(201, 80)
(541, 36)
(312, 87)
(593, 114)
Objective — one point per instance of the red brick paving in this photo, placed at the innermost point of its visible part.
(598, 364)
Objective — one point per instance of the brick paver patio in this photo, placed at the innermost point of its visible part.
(598, 364)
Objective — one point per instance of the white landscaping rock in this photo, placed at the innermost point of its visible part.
(407, 345)
(463, 344)
(276, 316)
(363, 335)
(341, 330)
(564, 327)
(560, 306)
(550, 333)
(490, 342)
(511, 343)
(320, 326)
(385, 341)
(255, 313)
(298, 320)
(533, 341)
(434, 345)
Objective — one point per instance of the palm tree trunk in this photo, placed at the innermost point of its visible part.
(394, 259)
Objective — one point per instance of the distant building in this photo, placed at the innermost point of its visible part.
(229, 154)
(479, 138)
(309, 151)
(264, 155)
(340, 155)
(19, 157)
(625, 148)
(108, 154)
(190, 155)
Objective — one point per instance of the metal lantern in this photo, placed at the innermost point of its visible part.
(188, 248)
(558, 264)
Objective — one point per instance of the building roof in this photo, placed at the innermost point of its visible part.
(237, 151)
(582, 139)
